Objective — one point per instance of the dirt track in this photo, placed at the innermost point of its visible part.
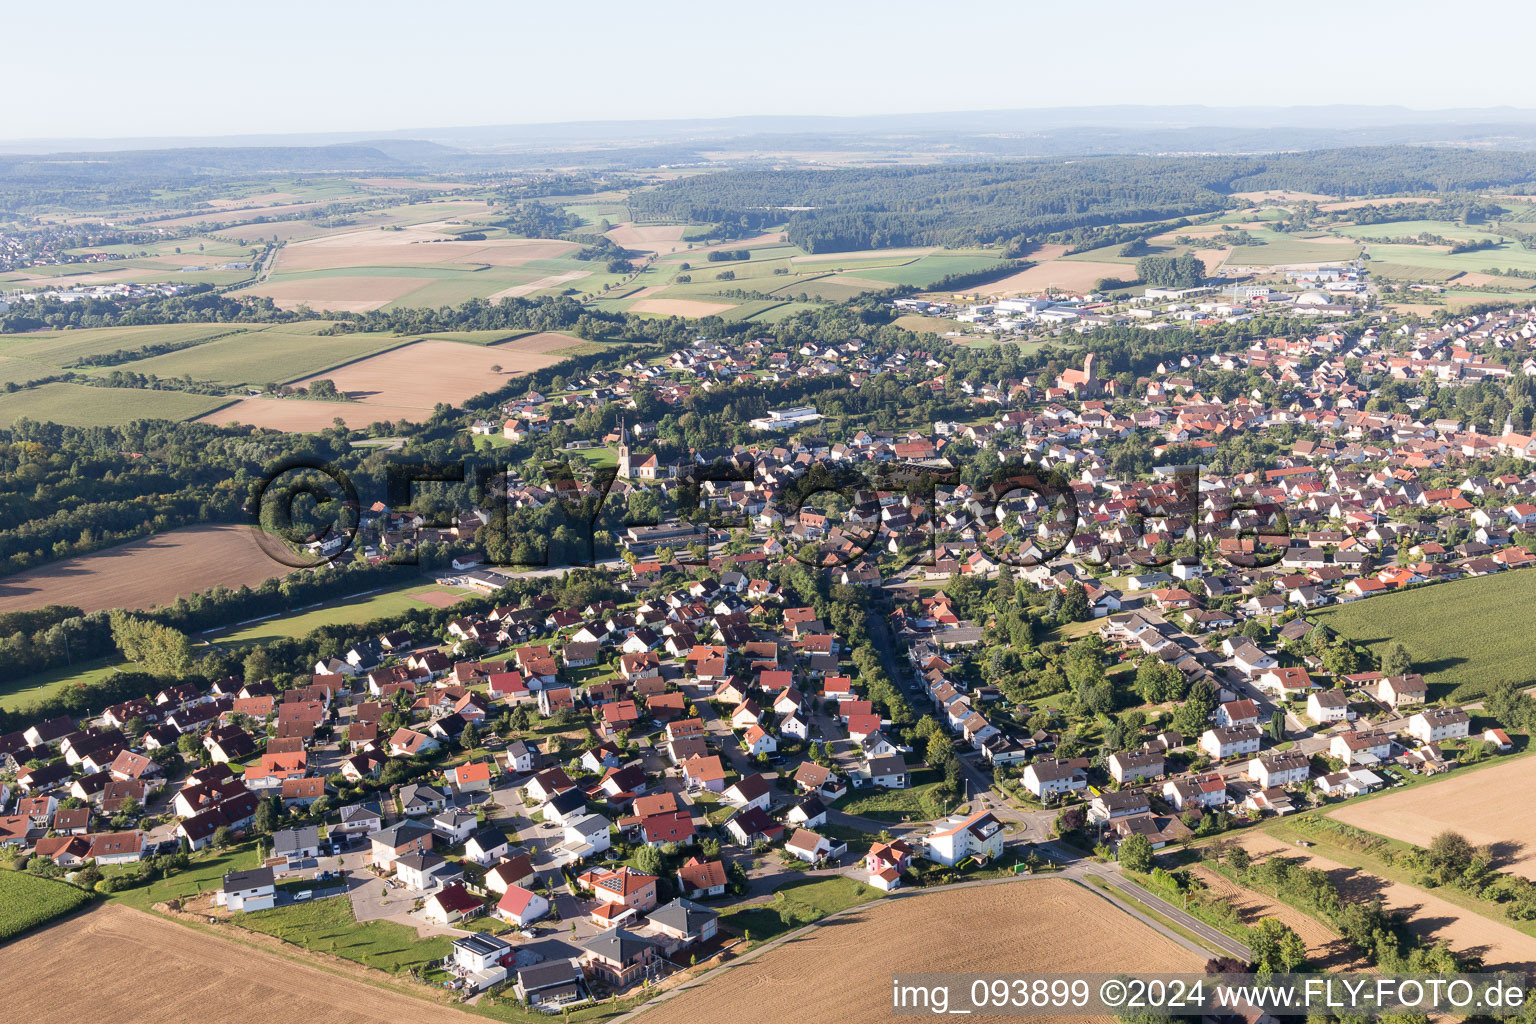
(114, 963)
(1501, 947)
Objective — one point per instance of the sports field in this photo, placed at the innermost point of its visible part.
(28, 690)
(415, 595)
(1470, 633)
(145, 573)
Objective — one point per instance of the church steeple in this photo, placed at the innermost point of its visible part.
(623, 450)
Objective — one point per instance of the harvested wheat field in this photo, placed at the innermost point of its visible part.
(1059, 275)
(552, 281)
(424, 373)
(304, 416)
(1326, 950)
(1213, 258)
(115, 963)
(681, 307)
(414, 245)
(1040, 925)
(1282, 195)
(1494, 806)
(145, 573)
(658, 238)
(1501, 947)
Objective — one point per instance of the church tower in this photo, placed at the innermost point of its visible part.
(623, 451)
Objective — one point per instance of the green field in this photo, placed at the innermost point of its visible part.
(205, 874)
(803, 902)
(265, 356)
(80, 405)
(1510, 254)
(27, 901)
(1468, 634)
(919, 801)
(56, 348)
(1414, 228)
(328, 926)
(925, 272)
(388, 602)
(28, 690)
(1280, 248)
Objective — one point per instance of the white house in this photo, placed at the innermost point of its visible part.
(1222, 743)
(1436, 724)
(1324, 706)
(1246, 656)
(1046, 779)
(1205, 791)
(521, 906)
(1350, 782)
(1133, 765)
(978, 835)
(1397, 691)
(1237, 712)
(1282, 769)
(586, 835)
(245, 891)
(1361, 747)
(811, 847)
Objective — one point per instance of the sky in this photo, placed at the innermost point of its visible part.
(176, 68)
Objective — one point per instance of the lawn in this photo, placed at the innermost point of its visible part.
(79, 405)
(920, 801)
(327, 926)
(1463, 636)
(389, 601)
(27, 901)
(802, 901)
(205, 874)
(28, 690)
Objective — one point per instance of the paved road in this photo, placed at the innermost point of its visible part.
(1076, 866)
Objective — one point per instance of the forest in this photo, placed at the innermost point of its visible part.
(1025, 201)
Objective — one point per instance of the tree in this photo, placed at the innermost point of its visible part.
(257, 665)
(648, 859)
(221, 837)
(469, 738)
(1395, 660)
(1136, 854)
(269, 814)
(1277, 949)
(1192, 716)
(1277, 725)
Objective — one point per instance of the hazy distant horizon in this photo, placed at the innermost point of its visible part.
(180, 69)
(1120, 117)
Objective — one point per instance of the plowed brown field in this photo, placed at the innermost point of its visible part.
(114, 963)
(840, 972)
